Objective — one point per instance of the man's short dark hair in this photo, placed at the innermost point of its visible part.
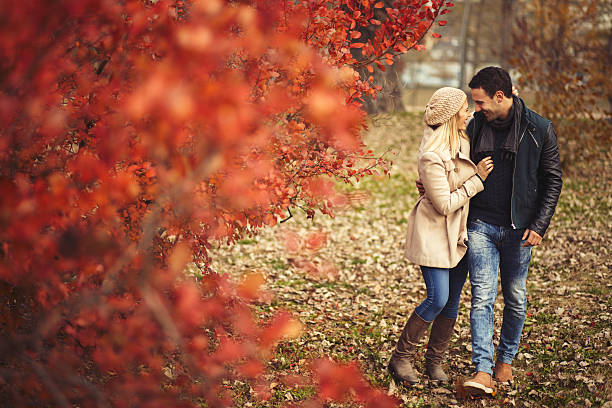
(491, 80)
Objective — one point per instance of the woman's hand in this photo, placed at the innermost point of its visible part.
(485, 166)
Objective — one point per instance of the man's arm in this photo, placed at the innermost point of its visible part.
(549, 183)
(420, 187)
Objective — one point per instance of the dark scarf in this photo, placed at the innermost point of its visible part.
(485, 140)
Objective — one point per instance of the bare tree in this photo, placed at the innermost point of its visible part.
(476, 52)
(507, 21)
(464, 32)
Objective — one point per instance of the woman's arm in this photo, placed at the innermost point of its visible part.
(437, 189)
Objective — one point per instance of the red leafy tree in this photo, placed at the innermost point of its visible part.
(135, 135)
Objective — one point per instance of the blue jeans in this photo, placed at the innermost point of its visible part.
(491, 247)
(443, 291)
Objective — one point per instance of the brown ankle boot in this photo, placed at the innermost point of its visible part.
(400, 364)
(503, 372)
(439, 339)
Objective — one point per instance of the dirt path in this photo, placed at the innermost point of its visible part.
(355, 292)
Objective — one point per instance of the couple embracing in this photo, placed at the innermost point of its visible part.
(503, 167)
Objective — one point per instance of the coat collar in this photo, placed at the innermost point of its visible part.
(464, 150)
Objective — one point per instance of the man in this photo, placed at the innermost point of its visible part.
(507, 219)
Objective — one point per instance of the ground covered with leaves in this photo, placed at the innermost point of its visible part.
(345, 278)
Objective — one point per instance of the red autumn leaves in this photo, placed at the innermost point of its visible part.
(136, 135)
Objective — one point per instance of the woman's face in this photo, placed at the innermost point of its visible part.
(463, 114)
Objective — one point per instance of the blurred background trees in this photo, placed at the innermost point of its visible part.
(562, 53)
(558, 52)
(474, 37)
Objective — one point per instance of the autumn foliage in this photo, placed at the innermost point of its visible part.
(137, 134)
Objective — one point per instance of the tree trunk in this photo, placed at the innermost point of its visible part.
(475, 50)
(389, 99)
(609, 56)
(465, 25)
(506, 33)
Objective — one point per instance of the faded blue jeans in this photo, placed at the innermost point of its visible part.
(443, 291)
(493, 247)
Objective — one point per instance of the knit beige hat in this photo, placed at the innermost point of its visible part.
(443, 104)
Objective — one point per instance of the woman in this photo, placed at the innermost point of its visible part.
(437, 232)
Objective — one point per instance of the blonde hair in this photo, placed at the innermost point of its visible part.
(446, 137)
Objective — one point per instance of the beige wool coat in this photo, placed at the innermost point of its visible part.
(437, 225)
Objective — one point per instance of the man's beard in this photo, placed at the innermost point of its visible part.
(489, 116)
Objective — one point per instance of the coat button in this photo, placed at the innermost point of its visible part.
(456, 170)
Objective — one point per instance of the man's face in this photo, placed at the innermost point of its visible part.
(490, 107)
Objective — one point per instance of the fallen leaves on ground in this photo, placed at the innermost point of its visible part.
(346, 279)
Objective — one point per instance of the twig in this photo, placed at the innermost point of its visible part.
(44, 376)
(289, 217)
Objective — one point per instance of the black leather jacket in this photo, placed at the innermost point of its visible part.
(536, 183)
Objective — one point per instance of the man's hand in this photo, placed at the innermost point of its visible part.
(532, 237)
(420, 187)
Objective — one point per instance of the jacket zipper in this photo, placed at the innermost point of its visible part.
(534, 139)
(513, 173)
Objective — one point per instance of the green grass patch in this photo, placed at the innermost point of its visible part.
(278, 264)
(289, 282)
(546, 318)
(247, 241)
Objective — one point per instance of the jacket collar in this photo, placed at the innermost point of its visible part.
(526, 121)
